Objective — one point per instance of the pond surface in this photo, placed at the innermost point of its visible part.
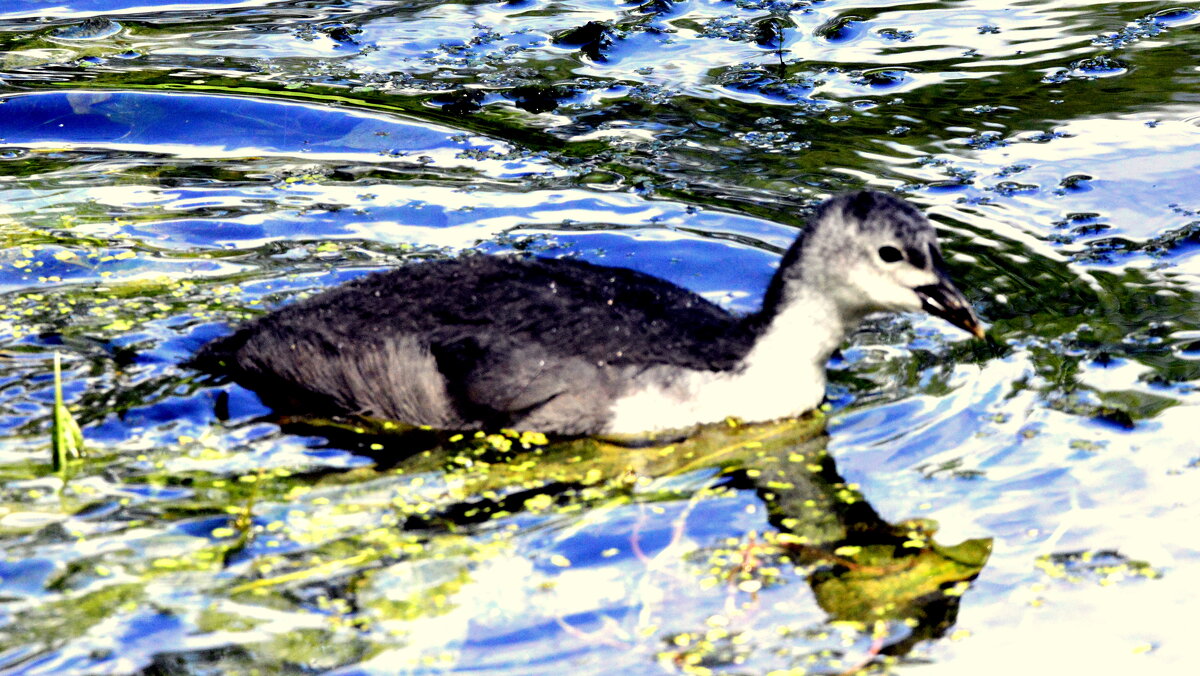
(1028, 503)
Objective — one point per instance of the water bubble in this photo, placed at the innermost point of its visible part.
(840, 29)
(882, 78)
(895, 34)
(94, 28)
(1099, 66)
(1011, 170)
(593, 39)
(986, 140)
(1173, 15)
(769, 32)
(657, 7)
(1075, 183)
(1008, 188)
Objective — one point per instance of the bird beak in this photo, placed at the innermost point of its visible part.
(946, 301)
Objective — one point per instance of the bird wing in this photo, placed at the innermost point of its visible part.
(488, 339)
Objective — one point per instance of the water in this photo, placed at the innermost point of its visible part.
(169, 172)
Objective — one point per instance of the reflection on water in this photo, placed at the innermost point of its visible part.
(169, 172)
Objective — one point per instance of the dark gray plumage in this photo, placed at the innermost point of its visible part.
(574, 348)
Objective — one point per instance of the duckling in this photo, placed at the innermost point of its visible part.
(571, 348)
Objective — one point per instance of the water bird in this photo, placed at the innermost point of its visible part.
(567, 347)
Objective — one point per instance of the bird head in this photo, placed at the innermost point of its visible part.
(871, 251)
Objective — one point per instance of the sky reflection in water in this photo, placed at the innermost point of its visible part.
(204, 161)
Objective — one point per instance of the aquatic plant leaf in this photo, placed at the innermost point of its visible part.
(66, 437)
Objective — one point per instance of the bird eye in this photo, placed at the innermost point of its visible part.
(890, 254)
